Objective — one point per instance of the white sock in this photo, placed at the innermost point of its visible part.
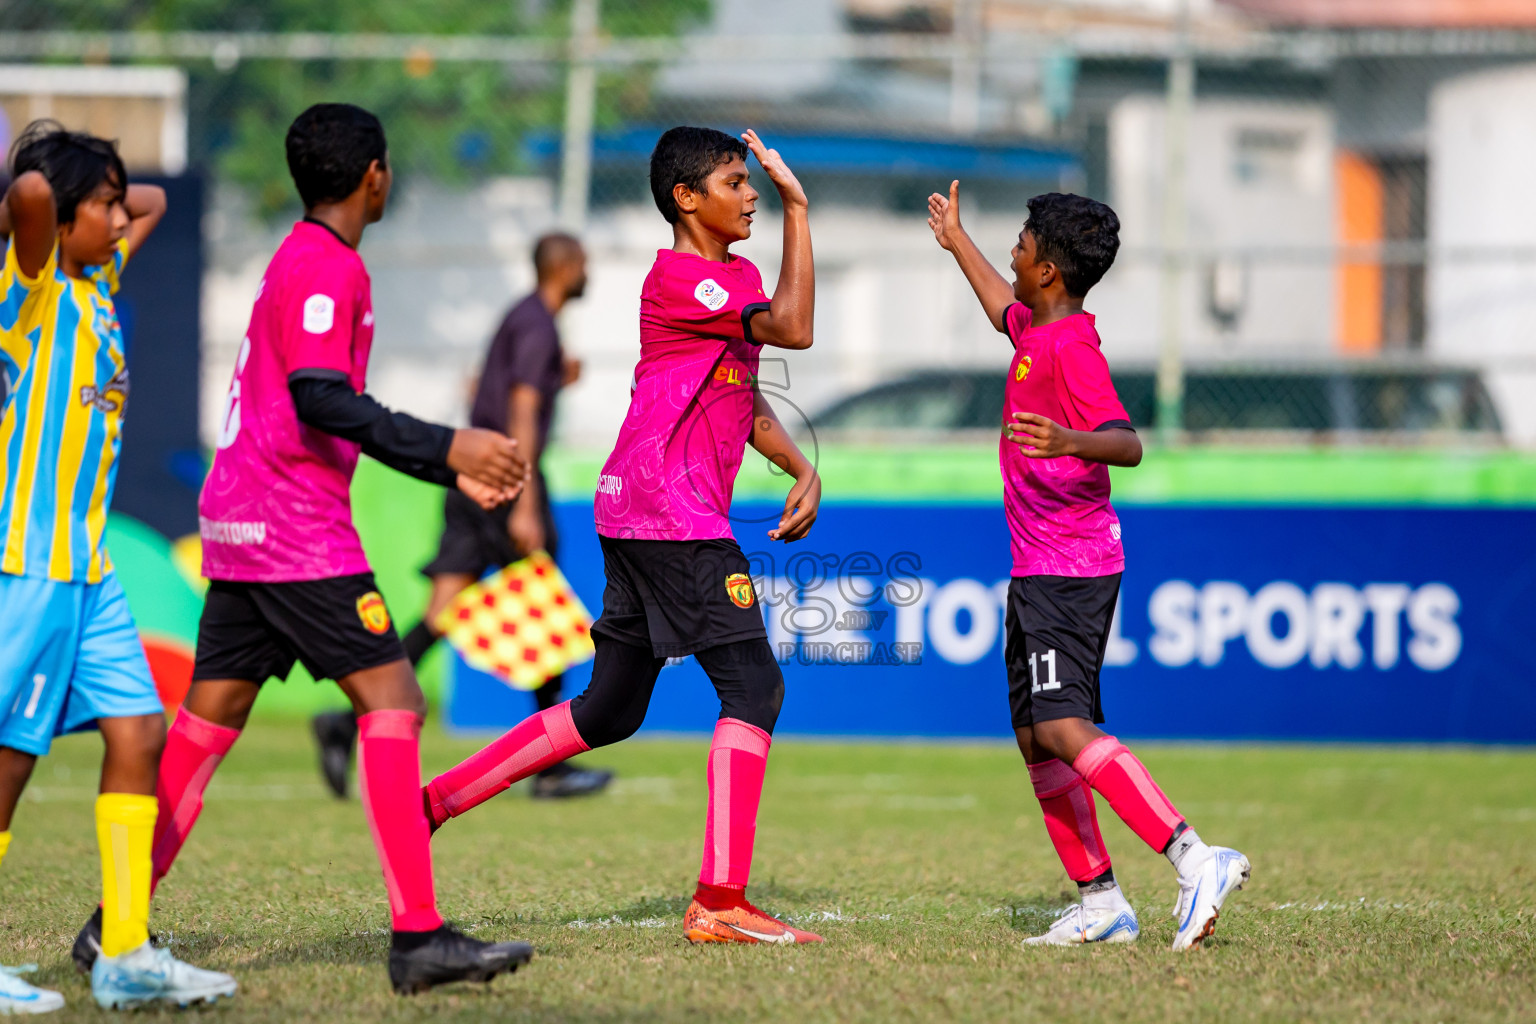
(1186, 853)
(1103, 897)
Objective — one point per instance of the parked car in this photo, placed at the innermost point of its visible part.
(1226, 399)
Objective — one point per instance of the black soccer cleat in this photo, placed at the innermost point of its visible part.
(565, 780)
(88, 943)
(421, 960)
(336, 734)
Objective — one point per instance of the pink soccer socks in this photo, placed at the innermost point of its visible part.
(389, 781)
(738, 759)
(1070, 819)
(1121, 779)
(193, 749)
(532, 745)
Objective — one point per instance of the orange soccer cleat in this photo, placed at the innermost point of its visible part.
(743, 923)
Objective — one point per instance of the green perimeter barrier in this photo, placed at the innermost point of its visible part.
(1196, 475)
(400, 518)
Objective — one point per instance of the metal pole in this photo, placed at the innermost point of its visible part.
(1180, 99)
(580, 101)
(965, 68)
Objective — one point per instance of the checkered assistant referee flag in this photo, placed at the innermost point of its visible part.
(523, 625)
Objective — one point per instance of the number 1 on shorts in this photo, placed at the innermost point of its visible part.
(1051, 682)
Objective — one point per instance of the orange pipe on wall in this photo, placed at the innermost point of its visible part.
(1361, 221)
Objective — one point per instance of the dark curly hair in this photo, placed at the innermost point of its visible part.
(687, 156)
(1078, 234)
(74, 163)
(330, 146)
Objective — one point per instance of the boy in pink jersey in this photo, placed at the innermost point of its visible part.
(288, 578)
(678, 583)
(1064, 427)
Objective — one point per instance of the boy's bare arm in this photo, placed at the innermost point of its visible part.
(1042, 438)
(787, 321)
(773, 442)
(526, 524)
(34, 221)
(145, 205)
(994, 291)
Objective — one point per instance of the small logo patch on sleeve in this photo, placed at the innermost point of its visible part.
(319, 313)
(711, 294)
(371, 610)
(739, 586)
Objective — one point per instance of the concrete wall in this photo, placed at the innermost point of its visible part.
(1260, 179)
(1482, 309)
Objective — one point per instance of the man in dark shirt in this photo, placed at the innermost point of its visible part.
(524, 370)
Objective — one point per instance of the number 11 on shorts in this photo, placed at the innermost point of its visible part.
(1048, 658)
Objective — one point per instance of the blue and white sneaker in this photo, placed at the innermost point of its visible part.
(1202, 894)
(1080, 923)
(151, 975)
(16, 996)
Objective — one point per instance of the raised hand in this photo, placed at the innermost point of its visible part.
(944, 217)
(778, 171)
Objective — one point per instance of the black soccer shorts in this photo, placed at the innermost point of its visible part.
(1056, 631)
(256, 631)
(475, 541)
(678, 597)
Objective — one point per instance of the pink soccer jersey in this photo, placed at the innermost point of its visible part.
(276, 506)
(1059, 515)
(690, 408)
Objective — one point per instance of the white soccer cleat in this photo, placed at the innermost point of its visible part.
(151, 975)
(1202, 894)
(1080, 924)
(16, 996)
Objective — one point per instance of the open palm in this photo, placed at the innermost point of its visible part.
(778, 171)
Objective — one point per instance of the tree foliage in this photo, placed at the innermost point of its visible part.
(450, 121)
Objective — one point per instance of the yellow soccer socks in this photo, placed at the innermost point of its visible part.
(5, 843)
(125, 827)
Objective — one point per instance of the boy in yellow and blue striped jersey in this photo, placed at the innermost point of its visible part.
(70, 657)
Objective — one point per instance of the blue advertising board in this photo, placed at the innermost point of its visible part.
(1295, 623)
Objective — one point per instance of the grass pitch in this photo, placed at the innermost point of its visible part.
(1391, 884)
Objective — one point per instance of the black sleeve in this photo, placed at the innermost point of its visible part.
(324, 399)
(747, 313)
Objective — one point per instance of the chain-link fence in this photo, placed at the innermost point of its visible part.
(1327, 231)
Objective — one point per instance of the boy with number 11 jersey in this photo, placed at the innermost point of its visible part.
(1064, 427)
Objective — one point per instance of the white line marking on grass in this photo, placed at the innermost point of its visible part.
(837, 916)
(617, 922)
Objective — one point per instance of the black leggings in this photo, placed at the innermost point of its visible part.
(745, 673)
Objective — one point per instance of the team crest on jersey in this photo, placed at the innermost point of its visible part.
(711, 294)
(739, 586)
(1023, 371)
(370, 608)
(110, 396)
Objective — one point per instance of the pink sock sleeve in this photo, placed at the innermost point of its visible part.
(193, 749)
(389, 777)
(738, 760)
(532, 745)
(1070, 819)
(1125, 782)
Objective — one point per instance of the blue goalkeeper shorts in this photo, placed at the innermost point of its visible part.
(69, 655)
